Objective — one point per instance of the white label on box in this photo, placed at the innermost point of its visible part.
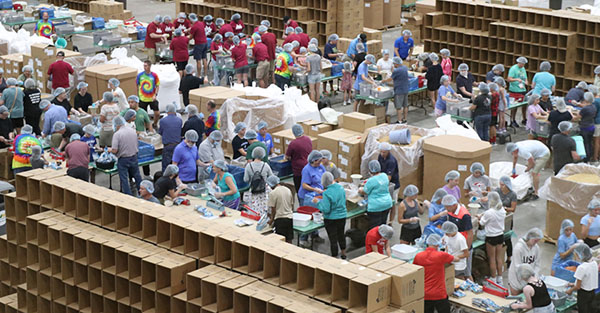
(276, 140)
(49, 52)
(367, 5)
(30, 63)
(343, 161)
(315, 128)
(8, 71)
(287, 141)
(462, 168)
(39, 62)
(343, 175)
(278, 151)
(1, 61)
(386, 1)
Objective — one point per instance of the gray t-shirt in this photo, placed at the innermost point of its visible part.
(508, 198)
(125, 141)
(479, 185)
(315, 64)
(253, 167)
(207, 151)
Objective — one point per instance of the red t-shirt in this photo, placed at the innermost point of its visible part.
(198, 33)
(298, 151)
(374, 238)
(237, 27)
(214, 46)
(303, 39)
(238, 53)
(291, 37)
(186, 23)
(435, 280)
(228, 44)
(270, 41)
(260, 52)
(210, 30)
(495, 102)
(60, 71)
(152, 28)
(167, 28)
(291, 23)
(224, 29)
(179, 45)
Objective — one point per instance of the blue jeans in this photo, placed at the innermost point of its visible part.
(128, 167)
(167, 155)
(482, 126)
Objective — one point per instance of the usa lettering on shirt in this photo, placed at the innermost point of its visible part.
(528, 259)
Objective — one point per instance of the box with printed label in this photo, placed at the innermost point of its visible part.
(408, 283)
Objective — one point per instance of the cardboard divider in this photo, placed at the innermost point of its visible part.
(241, 299)
(149, 272)
(58, 191)
(94, 251)
(21, 233)
(171, 274)
(9, 206)
(341, 284)
(163, 231)
(122, 261)
(109, 250)
(259, 301)
(225, 291)
(95, 211)
(135, 295)
(80, 276)
(178, 235)
(70, 201)
(122, 218)
(80, 248)
(207, 244)
(288, 274)
(191, 240)
(21, 182)
(149, 225)
(109, 305)
(82, 206)
(20, 210)
(66, 271)
(178, 302)
(108, 285)
(136, 221)
(240, 254)
(109, 211)
(135, 265)
(32, 256)
(209, 289)
(34, 209)
(163, 303)
(224, 248)
(94, 280)
(43, 260)
(323, 282)
(54, 238)
(148, 299)
(369, 291)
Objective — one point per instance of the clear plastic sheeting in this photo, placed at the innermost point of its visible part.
(81, 63)
(168, 92)
(406, 155)
(520, 184)
(273, 111)
(119, 56)
(21, 41)
(570, 195)
(450, 127)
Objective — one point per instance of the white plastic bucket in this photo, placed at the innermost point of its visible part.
(401, 136)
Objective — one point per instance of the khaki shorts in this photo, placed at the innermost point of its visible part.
(105, 139)
(151, 52)
(262, 70)
(540, 163)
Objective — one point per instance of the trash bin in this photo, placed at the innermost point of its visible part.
(4, 189)
(555, 4)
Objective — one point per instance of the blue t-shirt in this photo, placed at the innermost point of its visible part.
(403, 46)
(564, 243)
(267, 140)
(352, 47)
(312, 177)
(435, 209)
(91, 142)
(363, 69)
(400, 77)
(594, 228)
(378, 190)
(170, 129)
(186, 157)
(543, 80)
(440, 104)
(597, 105)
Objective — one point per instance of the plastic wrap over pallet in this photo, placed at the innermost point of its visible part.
(571, 195)
(406, 155)
(80, 63)
(21, 41)
(520, 184)
(273, 111)
(449, 127)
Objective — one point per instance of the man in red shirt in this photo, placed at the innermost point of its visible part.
(226, 28)
(198, 33)
(154, 34)
(238, 54)
(288, 22)
(59, 71)
(179, 46)
(290, 35)
(297, 152)
(434, 262)
(183, 22)
(167, 26)
(302, 38)
(270, 41)
(237, 24)
(377, 239)
(260, 53)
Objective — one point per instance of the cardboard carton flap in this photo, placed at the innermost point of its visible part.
(457, 146)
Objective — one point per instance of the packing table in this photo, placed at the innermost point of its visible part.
(418, 93)
(466, 303)
(470, 119)
(323, 80)
(109, 48)
(68, 36)
(312, 226)
(16, 26)
(114, 171)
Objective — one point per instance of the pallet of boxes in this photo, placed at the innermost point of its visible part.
(109, 10)
(97, 78)
(40, 59)
(73, 246)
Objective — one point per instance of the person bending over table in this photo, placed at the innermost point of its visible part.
(534, 112)
(590, 224)
(526, 251)
(377, 188)
(229, 193)
(297, 152)
(168, 184)
(536, 153)
(146, 190)
(186, 157)
(567, 242)
(252, 137)
(378, 240)
(434, 262)
(564, 147)
(535, 291)
(333, 207)
(281, 205)
(442, 96)
(362, 76)
(311, 187)
(77, 154)
(408, 215)
(586, 280)
(437, 211)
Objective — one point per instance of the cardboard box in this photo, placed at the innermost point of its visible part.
(369, 258)
(373, 14)
(555, 214)
(417, 306)
(392, 12)
(373, 34)
(386, 264)
(370, 291)
(451, 152)
(281, 139)
(331, 141)
(449, 274)
(408, 283)
(357, 122)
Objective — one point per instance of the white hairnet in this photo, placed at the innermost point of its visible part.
(89, 129)
(397, 60)
(564, 126)
(406, 32)
(545, 92)
(220, 164)
(314, 156)
(134, 98)
(191, 110)
(433, 240)
(449, 228)
(438, 195)
(58, 126)
(463, 67)
(386, 231)
(27, 129)
(107, 96)
(326, 154)
(532, 99)
(385, 146)
(453, 174)
(261, 125)
(449, 200)
(583, 251)
(129, 114)
(593, 204)
(333, 37)
(118, 121)
(44, 104)
(545, 66)
(374, 166)
(507, 182)
(297, 130)
(273, 181)
(29, 83)
(484, 88)
(522, 60)
(525, 271)
(239, 126)
(258, 153)
(326, 179)
(216, 135)
(597, 70)
(534, 233)
(477, 167)
(189, 69)
(115, 82)
(511, 147)
(445, 52)
(494, 200)
(588, 97)
(250, 134)
(581, 85)
(148, 185)
(370, 58)
(410, 190)
(566, 223)
(434, 57)
(498, 67)
(75, 137)
(444, 79)
(191, 135)
(171, 170)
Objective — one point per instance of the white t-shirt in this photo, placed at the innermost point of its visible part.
(455, 246)
(587, 272)
(121, 99)
(532, 148)
(493, 220)
(385, 65)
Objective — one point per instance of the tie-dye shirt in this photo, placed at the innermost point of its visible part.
(22, 150)
(282, 64)
(213, 122)
(147, 84)
(44, 29)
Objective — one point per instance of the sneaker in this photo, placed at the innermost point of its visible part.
(514, 124)
(404, 122)
(499, 280)
(343, 257)
(524, 122)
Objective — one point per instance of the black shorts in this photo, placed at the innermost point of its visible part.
(242, 70)
(200, 51)
(181, 65)
(284, 227)
(494, 121)
(17, 122)
(409, 234)
(494, 241)
(153, 105)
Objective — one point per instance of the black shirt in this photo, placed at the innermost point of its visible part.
(72, 128)
(555, 118)
(189, 82)
(82, 102)
(31, 102)
(65, 104)
(5, 129)
(562, 146)
(238, 143)
(162, 187)
(359, 58)
(466, 82)
(330, 49)
(546, 105)
(195, 123)
(483, 103)
(433, 75)
(389, 166)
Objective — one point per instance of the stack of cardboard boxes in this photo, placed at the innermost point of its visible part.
(349, 17)
(42, 56)
(12, 64)
(109, 10)
(97, 78)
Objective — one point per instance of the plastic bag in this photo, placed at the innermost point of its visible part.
(106, 157)
(251, 112)
(571, 195)
(520, 184)
(449, 127)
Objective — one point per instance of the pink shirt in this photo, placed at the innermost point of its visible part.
(447, 67)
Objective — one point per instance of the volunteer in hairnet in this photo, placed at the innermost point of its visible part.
(125, 146)
(146, 190)
(567, 242)
(434, 262)
(378, 239)
(535, 291)
(478, 184)
(168, 184)
(311, 186)
(456, 245)
(437, 211)
(509, 202)
(586, 280)
(264, 137)
(493, 222)
(210, 150)
(459, 215)
(185, 156)
(229, 194)
(535, 153)
(452, 179)
(564, 147)
(526, 251)
(379, 200)
(333, 207)
(281, 207)
(408, 215)
(590, 224)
